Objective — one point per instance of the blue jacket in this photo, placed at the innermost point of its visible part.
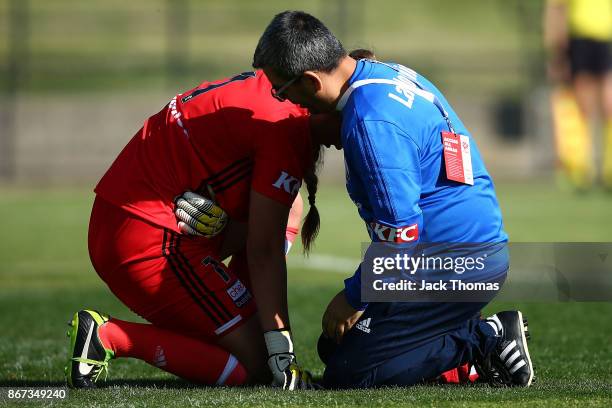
(391, 136)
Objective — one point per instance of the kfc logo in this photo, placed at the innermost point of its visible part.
(380, 232)
(288, 183)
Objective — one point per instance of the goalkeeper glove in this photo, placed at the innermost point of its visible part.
(198, 215)
(286, 373)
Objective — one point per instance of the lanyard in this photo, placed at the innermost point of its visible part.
(419, 90)
(456, 148)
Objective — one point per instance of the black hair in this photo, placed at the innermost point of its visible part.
(310, 228)
(295, 42)
(361, 53)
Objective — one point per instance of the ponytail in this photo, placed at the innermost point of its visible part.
(312, 222)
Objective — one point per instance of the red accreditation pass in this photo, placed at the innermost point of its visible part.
(457, 158)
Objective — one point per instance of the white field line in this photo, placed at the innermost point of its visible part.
(324, 262)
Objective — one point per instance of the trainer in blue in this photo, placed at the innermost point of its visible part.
(87, 357)
(509, 364)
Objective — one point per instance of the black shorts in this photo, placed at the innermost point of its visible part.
(590, 56)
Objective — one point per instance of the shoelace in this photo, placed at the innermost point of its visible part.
(99, 367)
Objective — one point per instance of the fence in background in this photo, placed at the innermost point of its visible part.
(79, 77)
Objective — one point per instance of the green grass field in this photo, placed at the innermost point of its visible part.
(45, 276)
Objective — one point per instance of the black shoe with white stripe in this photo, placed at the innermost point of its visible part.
(509, 364)
(87, 356)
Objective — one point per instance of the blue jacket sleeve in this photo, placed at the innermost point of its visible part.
(387, 162)
(352, 290)
(390, 163)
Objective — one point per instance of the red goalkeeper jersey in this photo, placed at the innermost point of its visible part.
(226, 137)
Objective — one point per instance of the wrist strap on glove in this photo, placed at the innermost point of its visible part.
(278, 342)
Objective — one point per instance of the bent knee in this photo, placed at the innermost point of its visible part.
(339, 374)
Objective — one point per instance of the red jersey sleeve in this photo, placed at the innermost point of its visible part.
(283, 152)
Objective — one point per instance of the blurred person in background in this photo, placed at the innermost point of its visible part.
(393, 124)
(233, 142)
(578, 36)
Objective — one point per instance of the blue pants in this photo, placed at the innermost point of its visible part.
(405, 343)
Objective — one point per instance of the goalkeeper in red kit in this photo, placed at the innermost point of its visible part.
(228, 143)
